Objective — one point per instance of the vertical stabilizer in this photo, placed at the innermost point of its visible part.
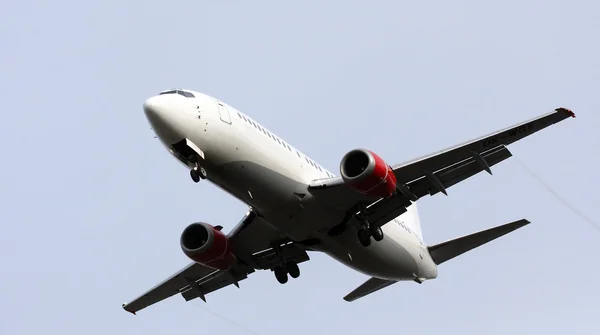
(414, 220)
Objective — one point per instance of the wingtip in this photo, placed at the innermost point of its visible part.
(566, 110)
(125, 308)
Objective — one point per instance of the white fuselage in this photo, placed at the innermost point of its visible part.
(259, 168)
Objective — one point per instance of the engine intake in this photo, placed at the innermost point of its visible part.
(367, 173)
(207, 245)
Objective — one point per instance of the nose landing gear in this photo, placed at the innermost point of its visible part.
(189, 154)
(197, 173)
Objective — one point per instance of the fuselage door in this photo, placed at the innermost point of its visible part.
(223, 112)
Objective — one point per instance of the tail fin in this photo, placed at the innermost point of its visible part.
(414, 221)
(445, 251)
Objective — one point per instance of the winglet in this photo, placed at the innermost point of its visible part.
(566, 110)
(132, 312)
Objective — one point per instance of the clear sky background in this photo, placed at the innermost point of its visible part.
(92, 206)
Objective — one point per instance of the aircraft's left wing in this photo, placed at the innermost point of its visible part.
(253, 242)
(436, 172)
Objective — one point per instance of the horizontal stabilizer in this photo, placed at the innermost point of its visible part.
(368, 287)
(447, 250)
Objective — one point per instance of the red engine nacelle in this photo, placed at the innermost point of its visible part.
(368, 173)
(207, 245)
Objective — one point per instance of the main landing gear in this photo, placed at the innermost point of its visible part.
(366, 231)
(282, 271)
(364, 235)
(197, 173)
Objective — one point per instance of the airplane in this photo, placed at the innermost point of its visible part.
(366, 218)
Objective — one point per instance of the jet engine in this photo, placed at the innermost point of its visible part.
(207, 245)
(367, 173)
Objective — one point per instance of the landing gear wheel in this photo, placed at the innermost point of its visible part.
(377, 233)
(293, 269)
(194, 175)
(197, 173)
(281, 275)
(364, 237)
(202, 172)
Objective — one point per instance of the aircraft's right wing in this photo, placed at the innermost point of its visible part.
(195, 279)
(253, 242)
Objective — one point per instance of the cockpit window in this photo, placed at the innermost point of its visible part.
(186, 94)
(180, 92)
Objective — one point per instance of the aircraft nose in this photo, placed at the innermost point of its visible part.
(156, 109)
(162, 116)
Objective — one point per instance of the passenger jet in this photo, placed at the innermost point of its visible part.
(365, 218)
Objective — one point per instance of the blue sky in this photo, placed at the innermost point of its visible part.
(93, 206)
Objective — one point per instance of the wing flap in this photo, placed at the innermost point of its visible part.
(169, 287)
(219, 280)
(414, 169)
(466, 169)
(269, 259)
(458, 172)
